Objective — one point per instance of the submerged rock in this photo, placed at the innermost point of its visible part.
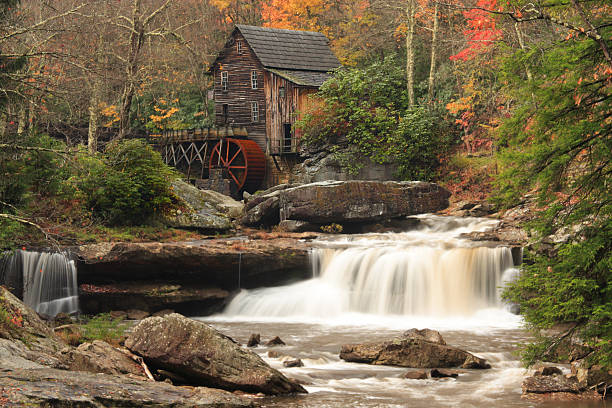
(412, 351)
(199, 353)
(254, 340)
(276, 341)
(416, 375)
(294, 362)
(57, 388)
(442, 373)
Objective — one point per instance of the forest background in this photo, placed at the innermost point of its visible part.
(492, 99)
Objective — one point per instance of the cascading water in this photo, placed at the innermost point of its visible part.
(48, 281)
(426, 272)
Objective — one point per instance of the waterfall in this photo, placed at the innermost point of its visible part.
(427, 272)
(47, 281)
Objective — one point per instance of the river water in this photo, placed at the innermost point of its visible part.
(373, 287)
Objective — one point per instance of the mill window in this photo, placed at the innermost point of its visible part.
(224, 80)
(239, 47)
(255, 111)
(254, 79)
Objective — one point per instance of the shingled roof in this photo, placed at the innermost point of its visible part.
(289, 49)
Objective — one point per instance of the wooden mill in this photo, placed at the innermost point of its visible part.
(262, 81)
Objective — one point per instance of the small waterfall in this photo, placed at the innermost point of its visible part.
(47, 281)
(428, 272)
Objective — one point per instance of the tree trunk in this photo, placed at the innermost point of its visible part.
(3, 120)
(434, 49)
(96, 99)
(410, 11)
(21, 118)
(136, 41)
(519, 35)
(94, 117)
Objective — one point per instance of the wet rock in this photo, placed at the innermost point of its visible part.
(276, 341)
(415, 352)
(274, 354)
(442, 373)
(204, 356)
(101, 357)
(416, 375)
(254, 340)
(59, 388)
(135, 314)
(295, 362)
(429, 335)
(551, 383)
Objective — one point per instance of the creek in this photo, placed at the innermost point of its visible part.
(372, 287)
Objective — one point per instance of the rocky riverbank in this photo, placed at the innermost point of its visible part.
(39, 369)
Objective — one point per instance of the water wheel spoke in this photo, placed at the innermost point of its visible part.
(234, 177)
(234, 156)
(237, 167)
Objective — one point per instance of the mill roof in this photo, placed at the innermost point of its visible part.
(290, 49)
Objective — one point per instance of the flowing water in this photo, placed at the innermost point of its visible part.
(372, 287)
(48, 280)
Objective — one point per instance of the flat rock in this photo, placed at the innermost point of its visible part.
(199, 353)
(59, 388)
(136, 314)
(214, 262)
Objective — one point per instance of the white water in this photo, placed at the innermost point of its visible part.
(429, 274)
(49, 281)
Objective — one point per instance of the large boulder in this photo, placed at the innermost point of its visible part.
(344, 202)
(418, 349)
(58, 388)
(202, 210)
(203, 356)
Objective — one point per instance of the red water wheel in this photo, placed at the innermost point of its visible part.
(242, 160)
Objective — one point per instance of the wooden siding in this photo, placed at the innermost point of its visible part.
(239, 94)
(282, 111)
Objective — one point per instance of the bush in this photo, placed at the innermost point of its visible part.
(126, 185)
(364, 114)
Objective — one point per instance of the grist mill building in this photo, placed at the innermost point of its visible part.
(262, 81)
